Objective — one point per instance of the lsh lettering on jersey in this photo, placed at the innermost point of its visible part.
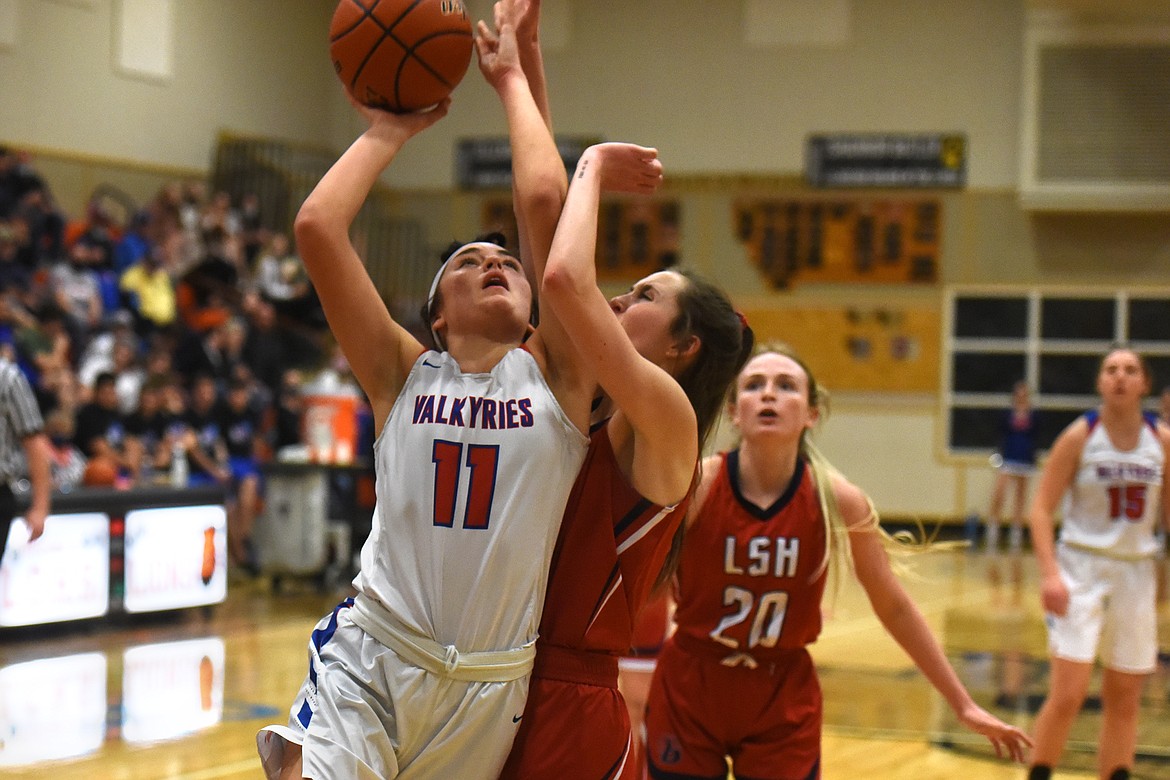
(762, 556)
(473, 412)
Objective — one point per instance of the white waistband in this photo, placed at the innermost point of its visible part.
(444, 660)
(1110, 554)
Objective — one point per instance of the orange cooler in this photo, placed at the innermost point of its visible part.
(329, 422)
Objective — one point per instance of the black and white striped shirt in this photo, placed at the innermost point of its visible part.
(19, 417)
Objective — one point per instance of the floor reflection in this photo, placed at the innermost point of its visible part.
(182, 696)
(66, 707)
(994, 636)
(52, 709)
(171, 689)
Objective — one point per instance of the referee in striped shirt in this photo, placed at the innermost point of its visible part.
(21, 427)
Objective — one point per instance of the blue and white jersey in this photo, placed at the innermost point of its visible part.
(473, 473)
(1115, 497)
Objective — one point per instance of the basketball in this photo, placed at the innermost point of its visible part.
(400, 55)
(100, 472)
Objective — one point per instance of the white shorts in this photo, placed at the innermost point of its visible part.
(364, 712)
(1016, 468)
(1111, 612)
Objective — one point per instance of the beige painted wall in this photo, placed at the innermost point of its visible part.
(672, 73)
(677, 74)
(253, 66)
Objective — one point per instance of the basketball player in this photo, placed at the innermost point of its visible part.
(1016, 463)
(619, 525)
(736, 680)
(1098, 583)
(424, 673)
(617, 535)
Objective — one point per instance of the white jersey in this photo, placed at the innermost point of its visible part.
(473, 473)
(1115, 497)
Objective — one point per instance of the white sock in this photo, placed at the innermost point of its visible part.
(992, 533)
(1016, 537)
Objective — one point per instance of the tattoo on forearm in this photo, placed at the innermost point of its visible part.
(584, 167)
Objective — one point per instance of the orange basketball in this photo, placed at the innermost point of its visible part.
(100, 472)
(400, 55)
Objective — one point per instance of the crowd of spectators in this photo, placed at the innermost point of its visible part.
(176, 335)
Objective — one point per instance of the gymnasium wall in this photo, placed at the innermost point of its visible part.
(677, 74)
(681, 75)
(256, 67)
(729, 104)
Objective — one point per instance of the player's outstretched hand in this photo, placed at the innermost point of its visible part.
(1008, 741)
(524, 15)
(496, 50)
(627, 167)
(403, 126)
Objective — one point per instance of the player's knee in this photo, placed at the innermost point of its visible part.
(290, 761)
(1065, 703)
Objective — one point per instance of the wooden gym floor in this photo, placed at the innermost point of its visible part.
(183, 697)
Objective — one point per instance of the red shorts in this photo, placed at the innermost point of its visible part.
(575, 724)
(767, 720)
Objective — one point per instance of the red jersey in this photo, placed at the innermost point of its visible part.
(609, 552)
(748, 581)
(652, 627)
(611, 547)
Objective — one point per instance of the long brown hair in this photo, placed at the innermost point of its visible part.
(725, 342)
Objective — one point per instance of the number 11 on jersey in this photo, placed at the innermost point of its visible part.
(482, 463)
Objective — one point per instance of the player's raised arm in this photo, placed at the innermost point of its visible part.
(526, 14)
(379, 350)
(539, 183)
(511, 61)
(540, 160)
(645, 394)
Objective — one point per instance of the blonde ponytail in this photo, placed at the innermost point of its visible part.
(838, 552)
